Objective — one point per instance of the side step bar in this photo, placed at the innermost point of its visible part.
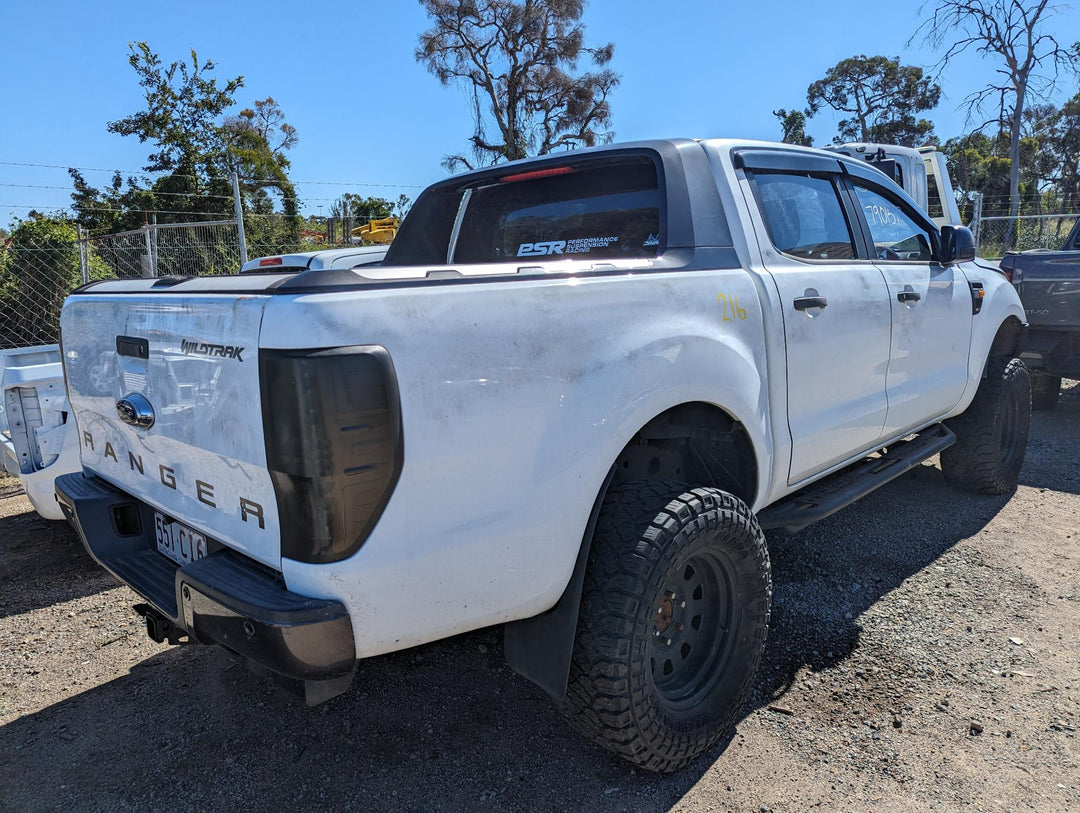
(839, 490)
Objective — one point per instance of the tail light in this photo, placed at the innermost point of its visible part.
(532, 175)
(332, 423)
(1008, 268)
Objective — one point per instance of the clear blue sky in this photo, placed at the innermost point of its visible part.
(367, 113)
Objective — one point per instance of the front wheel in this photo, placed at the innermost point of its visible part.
(991, 436)
(674, 613)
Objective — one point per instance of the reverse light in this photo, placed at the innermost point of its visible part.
(332, 423)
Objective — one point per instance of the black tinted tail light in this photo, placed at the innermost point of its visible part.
(332, 423)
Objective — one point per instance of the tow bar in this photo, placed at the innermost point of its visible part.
(158, 627)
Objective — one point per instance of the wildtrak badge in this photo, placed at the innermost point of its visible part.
(228, 351)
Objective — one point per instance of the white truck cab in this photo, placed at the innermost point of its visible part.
(922, 173)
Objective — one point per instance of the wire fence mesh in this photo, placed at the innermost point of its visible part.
(996, 235)
(39, 269)
(126, 254)
(171, 249)
(34, 280)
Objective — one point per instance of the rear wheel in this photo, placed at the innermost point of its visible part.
(1044, 390)
(991, 436)
(674, 614)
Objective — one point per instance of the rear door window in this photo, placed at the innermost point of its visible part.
(805, 216)
(607, 210)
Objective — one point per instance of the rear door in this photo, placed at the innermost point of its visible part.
(931, 309)
(835, 311)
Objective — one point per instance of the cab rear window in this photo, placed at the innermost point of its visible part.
(604, 209)
(588, 213)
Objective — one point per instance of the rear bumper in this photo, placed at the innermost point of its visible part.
(223, 599)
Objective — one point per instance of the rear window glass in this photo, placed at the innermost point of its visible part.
(589, 212)
(805, 217)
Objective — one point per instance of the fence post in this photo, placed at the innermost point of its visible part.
(238, 208)
(976, 220)
(154, 244)
(84, 255)
(147, 259)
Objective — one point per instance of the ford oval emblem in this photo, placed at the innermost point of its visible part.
(135, 410)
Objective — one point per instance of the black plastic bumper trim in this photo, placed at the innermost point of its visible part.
(223, 598)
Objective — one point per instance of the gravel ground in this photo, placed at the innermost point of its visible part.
(924, 654)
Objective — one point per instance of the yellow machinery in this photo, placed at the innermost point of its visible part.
(377, 231)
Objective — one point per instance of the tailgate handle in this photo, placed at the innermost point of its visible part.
(132, 346)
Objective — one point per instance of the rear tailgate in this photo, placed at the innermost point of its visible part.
(194, 358)
(1049, 286)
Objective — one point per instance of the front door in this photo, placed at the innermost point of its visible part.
(931, 312)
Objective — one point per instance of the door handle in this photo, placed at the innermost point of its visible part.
(803, 303)
(908, 296)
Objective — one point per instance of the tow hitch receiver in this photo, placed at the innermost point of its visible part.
(158, 627)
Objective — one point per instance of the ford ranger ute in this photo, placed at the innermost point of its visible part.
(568, 402)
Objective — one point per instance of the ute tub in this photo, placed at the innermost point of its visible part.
(37, 434)
(223, 598)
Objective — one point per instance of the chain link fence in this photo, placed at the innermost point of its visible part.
(171, 249)
(1030, 231)
(40, 267)
(34, 280)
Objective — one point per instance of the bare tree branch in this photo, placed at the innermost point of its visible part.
(1030, 60)
(520, 59)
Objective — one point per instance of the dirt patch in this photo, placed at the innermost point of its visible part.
(925, 651)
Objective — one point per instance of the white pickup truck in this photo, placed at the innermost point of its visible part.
(568, 402)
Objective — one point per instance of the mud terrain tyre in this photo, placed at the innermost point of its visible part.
(991, 436)
(1045, 390)
(674, 613)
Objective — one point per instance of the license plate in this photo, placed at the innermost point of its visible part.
(177, 541)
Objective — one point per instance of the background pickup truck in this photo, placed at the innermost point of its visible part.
(1049, 286)
(568, 402)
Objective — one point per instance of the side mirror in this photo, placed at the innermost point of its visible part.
(957, 245)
